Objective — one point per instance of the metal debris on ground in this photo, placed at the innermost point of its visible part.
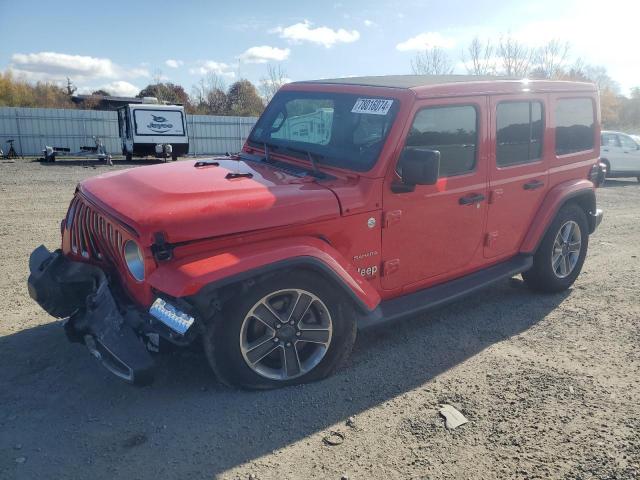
(333, 438)
(453, 418)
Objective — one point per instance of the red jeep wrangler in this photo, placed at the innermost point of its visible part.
(353, 202)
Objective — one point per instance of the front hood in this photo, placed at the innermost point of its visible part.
(186, 202)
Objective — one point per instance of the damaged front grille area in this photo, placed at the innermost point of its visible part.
(91, 234)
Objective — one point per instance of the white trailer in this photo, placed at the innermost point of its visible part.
(153, 129)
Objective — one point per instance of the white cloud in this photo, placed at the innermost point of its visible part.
(209, 66)
(303, 32)
(134, 72)
(426, 40)
(172, 63)
(369, 23)
(62, 64)
(120, 88)
(264, 54)
(55, 67)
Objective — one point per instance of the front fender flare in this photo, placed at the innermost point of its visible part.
(554, 200)
(187, 276)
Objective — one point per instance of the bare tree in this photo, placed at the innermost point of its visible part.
(269, 85)
(551, 59)
(209, 95)
(71, 88)
(515, 57)
(481, 58)
(597, 74)
(433, 61)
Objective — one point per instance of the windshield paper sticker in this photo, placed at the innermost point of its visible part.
(375, 106)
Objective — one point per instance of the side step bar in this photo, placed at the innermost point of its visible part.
(439, 295)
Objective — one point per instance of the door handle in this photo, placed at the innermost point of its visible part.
(471, 199)
(533, 184)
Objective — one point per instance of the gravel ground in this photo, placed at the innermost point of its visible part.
(550, 384)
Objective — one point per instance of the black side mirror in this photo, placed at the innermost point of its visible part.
(418, 166)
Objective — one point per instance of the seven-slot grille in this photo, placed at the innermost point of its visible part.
(91, 234)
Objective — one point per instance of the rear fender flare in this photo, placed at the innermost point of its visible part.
(188, 276)
(580, 191)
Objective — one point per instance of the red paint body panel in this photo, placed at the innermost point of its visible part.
(552, 203)
(189, 203)
(435, 234)
(188, 275)
(512, 207)
(380, 243)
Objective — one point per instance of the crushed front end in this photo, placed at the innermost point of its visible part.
(83, 285)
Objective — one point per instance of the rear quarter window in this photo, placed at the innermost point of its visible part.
(575, 125)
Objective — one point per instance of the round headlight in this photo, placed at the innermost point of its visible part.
(134, 260)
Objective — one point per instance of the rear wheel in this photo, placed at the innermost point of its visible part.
(128, 157)
(607, 170)
(286, 329)
(559, 258)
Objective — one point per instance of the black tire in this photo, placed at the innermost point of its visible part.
(607, 173)
(174, 158)
(542, 276)
(222, 336)
(128, 157)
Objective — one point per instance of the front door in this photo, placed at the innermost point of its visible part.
(435, 230)
(518, 172)
(630, 154)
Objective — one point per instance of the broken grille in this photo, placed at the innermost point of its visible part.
(92, 235)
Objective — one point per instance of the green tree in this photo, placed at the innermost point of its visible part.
(243, 99)
(166, 92)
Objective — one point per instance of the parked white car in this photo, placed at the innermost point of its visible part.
(621, 154)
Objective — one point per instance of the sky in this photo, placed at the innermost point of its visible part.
(121, 46)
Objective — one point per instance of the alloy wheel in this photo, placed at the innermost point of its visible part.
(566, 249)
(286, 334)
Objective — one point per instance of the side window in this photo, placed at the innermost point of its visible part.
(519, 133)
(575, 125)
(609, 140)
(627, 142)
(453, 131)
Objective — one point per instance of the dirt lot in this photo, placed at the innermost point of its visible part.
(550, 384)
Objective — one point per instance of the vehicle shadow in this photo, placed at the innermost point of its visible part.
(58, 400)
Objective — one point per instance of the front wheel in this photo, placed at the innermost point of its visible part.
(559, 258)
(282, 330)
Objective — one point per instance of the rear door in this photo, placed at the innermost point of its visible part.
(518, 172)
(435, 230)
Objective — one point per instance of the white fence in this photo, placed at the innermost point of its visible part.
(33, 128)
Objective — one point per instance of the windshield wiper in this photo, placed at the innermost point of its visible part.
(309, 155)
(267, 152)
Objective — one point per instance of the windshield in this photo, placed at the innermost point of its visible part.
(343, 130)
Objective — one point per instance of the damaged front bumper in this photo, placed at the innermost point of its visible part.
(117, 334)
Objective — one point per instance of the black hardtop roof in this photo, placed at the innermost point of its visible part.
(410, 81)
(432, 83)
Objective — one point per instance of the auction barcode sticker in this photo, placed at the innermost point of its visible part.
(375, 106)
